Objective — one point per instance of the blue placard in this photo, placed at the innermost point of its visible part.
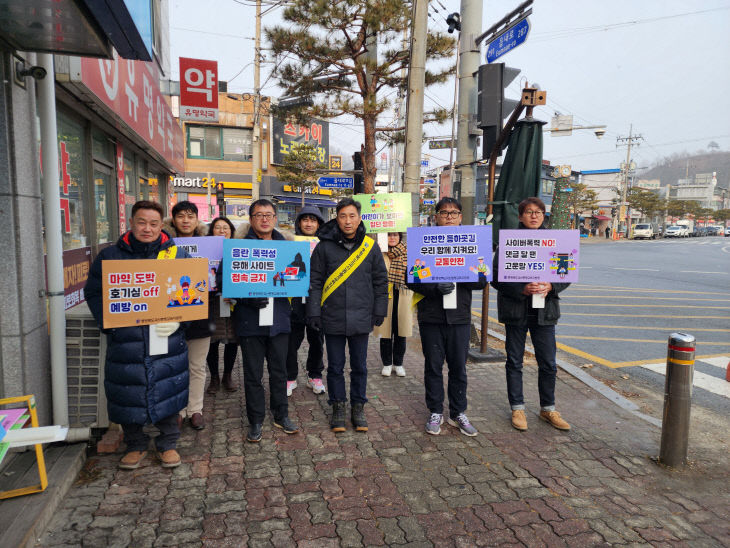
(265, 268)
(450, 254)
(508, 40)
(336, 182)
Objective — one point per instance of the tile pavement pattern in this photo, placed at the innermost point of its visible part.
(397, 486)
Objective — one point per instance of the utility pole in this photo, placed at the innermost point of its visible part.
(414, 112)
(453, 121)
(466, 143)
(256, 160)
(628, 142)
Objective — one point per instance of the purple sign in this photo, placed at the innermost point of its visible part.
(450, 254)
(207, 247)
(538, 256)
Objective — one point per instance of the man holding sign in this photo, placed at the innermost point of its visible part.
(142, 388)
(533, 307)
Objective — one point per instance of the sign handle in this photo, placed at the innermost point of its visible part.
(538, 301)
(225, 308)
(266, 314)
(450, 300)
(158, 344)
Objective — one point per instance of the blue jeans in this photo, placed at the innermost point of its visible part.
(450, 343)
(543, 341)
(336, 367)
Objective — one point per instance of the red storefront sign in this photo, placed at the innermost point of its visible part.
(121, 189)
(130, 89)
(198, 90)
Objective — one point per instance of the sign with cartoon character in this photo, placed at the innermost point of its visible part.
(538, 256)
(152, 291)
(389, 212)
(265, 268)
(207, 247)
(450, 254)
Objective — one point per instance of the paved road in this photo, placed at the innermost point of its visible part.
(633, 294)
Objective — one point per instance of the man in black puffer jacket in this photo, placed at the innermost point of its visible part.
(142, 389)
(515, 311)
(348, 294)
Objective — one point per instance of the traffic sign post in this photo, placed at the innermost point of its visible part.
(512, 37)
(336, 182)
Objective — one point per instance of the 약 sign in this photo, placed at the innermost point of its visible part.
(198, 90)
(538, 256)
(385, 212)
(449, 254)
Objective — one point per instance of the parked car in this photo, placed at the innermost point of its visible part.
(676, 231)
(727, 232)
(714, 231)
(700, 231)
(646, 231)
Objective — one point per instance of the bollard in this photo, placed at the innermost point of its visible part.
(677, 399)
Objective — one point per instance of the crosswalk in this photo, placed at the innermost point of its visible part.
(709, 374)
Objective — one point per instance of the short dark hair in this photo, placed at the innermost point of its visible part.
(345, 202)
(147, 204)
(527, 201)
(185, 205)
(446, 201)
(262, 202)
(214, 221)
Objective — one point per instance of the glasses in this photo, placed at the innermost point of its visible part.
(449, 214)
(260, 216)
(534, 212)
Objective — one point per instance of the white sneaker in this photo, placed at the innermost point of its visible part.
(316, 385)
(290, 386)
(386, 370)
(400, 371)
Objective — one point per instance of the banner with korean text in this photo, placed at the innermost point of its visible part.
(538, 256)
(265, 268)
(450, 254)
(152, 291)
(207, 247)
(385, 212)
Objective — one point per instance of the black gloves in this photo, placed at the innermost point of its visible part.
(378, 320)
(315, 323)
(257, 303)
(445, 288)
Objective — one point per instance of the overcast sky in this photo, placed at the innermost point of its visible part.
(661, 65)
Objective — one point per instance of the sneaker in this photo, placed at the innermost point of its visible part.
(400, 371)
(433, 426)
(462, 423)
(337, 422)
(290, 386)
(254, 433)
(357, 416)
(132, 460)
(519, 420)
(554, 418)
(386, 370)
(286, 425)
(316, 385)
(169, 458)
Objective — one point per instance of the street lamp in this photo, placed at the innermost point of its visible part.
(561, 125)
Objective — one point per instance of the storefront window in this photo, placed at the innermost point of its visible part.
(204, 142)
(102, 184)
(130, 184)
(71, 176)
(154, 188)
(286, 216)
(237, 145)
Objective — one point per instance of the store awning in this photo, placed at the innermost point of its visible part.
(601, 218)
(307, 201)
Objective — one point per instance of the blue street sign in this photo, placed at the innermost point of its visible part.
(508, 40)
(429, 202)
(429, 181)
(336, 182)
(424, 163)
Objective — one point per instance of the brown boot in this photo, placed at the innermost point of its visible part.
(554, 418)
(215, 384)
(169, 458)
(228, 383)
(132, 460)
(519, 421)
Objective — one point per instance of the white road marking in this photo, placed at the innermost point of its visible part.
(645, 269)
(707, 382)
(700, 272)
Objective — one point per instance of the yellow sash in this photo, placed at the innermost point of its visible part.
(417, 297)
(169, 253)
(338, 277)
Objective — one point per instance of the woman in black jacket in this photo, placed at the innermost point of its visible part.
(515, 311)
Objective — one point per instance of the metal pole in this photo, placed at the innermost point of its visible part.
(466, 144)
(677, 399)
(414, 112)
(453, 120)
(626, 182)
(256, 160)
(54, 242)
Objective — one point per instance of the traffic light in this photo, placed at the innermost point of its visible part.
(357, 177)
(454, 22)
(613, 212)
(493, 107)
(219, 193)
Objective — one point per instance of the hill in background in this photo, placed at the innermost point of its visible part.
(677, 166)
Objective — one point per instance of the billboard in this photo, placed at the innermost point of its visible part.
(288, 135)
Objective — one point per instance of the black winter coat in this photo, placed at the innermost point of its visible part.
(431, 307)
(350, 309)
(140, 389)
(246, 318)
(513, 307)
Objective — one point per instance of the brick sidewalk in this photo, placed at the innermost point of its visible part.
(396, 485)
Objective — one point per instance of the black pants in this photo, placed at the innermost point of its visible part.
(230, 350)
(358, 345)
(254, 350)
(393, 348)
(314, 356)
(451, 343)
(543, 341)
(137, 440)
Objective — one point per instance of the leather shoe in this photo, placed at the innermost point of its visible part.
(519, 420)
(180, 422)
(286, 425)
(132, 460)
(197, 421)
(254, 433)
(228, 383)
(554, 418)
(215, 384)
(169, 458)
